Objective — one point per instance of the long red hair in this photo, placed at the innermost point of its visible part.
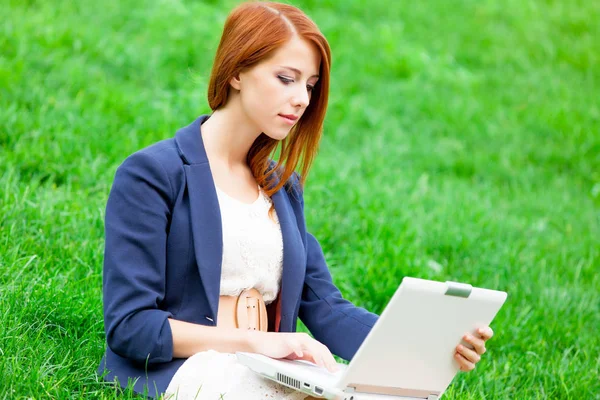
(252, 32)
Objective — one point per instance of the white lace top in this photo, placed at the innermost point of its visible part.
(252, 247)
(252, 258)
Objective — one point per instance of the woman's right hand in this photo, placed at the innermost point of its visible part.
(292, 346)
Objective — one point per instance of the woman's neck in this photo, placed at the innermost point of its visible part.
(228, 135)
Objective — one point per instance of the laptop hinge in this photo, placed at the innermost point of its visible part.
(393, 391)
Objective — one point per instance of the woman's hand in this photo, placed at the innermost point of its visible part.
(468, 356)
(292, 346)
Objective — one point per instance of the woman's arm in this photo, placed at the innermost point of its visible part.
(189, 339)
(137, 214)
(333, 320)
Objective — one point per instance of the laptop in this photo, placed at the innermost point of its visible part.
(408, 353)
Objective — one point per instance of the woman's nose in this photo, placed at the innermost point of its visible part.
(301, 98)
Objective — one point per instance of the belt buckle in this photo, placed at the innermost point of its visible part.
(249, 311)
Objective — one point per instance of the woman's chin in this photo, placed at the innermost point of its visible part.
(277, 134)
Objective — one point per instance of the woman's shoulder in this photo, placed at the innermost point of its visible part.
(162, 154)
(157, 167)
(185, 147)
(164, 150)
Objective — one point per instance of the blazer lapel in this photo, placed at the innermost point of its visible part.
(207, 229)
(294, 257)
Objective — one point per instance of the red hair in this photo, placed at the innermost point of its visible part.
(252, 32)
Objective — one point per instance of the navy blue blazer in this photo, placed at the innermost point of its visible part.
(163, 255)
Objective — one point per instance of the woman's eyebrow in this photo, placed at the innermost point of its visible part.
(296, 70)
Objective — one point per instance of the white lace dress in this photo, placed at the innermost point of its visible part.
(252, 258)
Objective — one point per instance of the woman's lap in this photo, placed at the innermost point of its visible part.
(214, 376)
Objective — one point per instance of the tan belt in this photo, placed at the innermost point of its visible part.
(246, 311)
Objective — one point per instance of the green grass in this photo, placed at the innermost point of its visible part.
(462, 143)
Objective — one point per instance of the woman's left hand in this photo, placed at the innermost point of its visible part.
(466, 357)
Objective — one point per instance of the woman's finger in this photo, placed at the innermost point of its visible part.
(317, 358)
(311, 351)
(330, 362)
(297, 348)
(463, 363)
(486, 333)
(317, 353)
(321, 353)
(478, 343)
(321, 357)
(469, 354)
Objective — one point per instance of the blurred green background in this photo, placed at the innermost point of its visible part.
(462, 142)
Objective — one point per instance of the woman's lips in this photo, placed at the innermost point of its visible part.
(290, 119)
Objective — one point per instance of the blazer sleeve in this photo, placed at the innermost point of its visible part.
(333, 320)
(136, 223)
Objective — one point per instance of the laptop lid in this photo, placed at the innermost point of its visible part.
(409, 351)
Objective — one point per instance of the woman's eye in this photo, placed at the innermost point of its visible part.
(284, 79)
(310, 88)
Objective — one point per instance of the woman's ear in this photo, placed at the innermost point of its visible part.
(235, 82)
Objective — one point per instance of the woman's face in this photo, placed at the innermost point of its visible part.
(275, 93)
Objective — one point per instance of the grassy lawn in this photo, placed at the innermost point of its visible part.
(462, 143)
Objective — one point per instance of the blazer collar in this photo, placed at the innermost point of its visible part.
(189, 142)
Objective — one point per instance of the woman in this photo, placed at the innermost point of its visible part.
(196, 222)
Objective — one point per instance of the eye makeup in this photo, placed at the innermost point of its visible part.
(284, 79)
(287, 80)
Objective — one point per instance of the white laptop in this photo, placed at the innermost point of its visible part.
(407, 355)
